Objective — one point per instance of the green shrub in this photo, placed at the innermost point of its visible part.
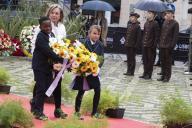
(107, 100)
(4, 76)
(12, 113)
(175, 110)
(74, 123)
(67, 93)
(75, 25)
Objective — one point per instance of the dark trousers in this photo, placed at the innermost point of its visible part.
(166, 62)
(43, 81)
(96, 99)
(131, 61)
(56, 94)
(148, 59)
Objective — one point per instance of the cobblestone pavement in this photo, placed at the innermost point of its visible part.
(144, 101)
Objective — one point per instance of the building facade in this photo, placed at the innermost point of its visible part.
(124, 7)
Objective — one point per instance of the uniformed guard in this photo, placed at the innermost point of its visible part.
(150, 40)
(168, 40)
(132, 40)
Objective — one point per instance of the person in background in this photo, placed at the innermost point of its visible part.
(102, 21)
(160, 19)
(133, 38)
(75, 11)
(150, 41)
(168, 40)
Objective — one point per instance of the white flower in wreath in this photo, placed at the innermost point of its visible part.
(77, 43)
(93, 58)
(75, 64)
(56, 51)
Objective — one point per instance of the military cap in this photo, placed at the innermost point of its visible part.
(134, 14)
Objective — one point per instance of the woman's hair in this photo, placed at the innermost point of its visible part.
(97, 27)
(52, 7)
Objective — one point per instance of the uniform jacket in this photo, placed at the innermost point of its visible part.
(169, 34)
(133, 35)
(151, 34)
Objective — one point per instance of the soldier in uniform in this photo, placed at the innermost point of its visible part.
(150, 40)
(132, 40)
(168, 39)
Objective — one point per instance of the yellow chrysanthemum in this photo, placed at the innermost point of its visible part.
(83, 69)
(67, 41)
(55, 45)
(88, 64)
(63, 53)
(71, 50)
(94, 68)
(78, 60)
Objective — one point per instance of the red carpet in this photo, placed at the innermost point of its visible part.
(49, 108)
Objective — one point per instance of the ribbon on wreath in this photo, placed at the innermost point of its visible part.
(56, 80)
(85, 84)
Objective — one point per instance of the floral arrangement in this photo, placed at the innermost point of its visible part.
(6, 45)
(82, 61)
(26, 36)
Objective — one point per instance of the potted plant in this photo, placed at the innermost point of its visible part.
(109, 104)
(13, 115)
(116, 111)
(175, 112)
(4, 77)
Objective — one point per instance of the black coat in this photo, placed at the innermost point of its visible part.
(169, 34)
(151, 34)
(133, 35)
(43, 54)
(93, 81)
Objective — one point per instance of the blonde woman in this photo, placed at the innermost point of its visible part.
(56, 15)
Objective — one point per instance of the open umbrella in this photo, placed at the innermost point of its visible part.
(97, 5)
(153, 5)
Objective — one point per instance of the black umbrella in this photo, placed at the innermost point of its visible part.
(97, 5)
(153, 5)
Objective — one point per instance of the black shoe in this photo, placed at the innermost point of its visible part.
(97, 116)
(159, 73)
(32, 103)
(160, 79)
(126, 74)
(129, 74)
(40, 116)
(143, 76)
(147, 77)
(166, 80)
(190, 78)
(157, 64)
(78, 116)
(59, 113)
(125, 60)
